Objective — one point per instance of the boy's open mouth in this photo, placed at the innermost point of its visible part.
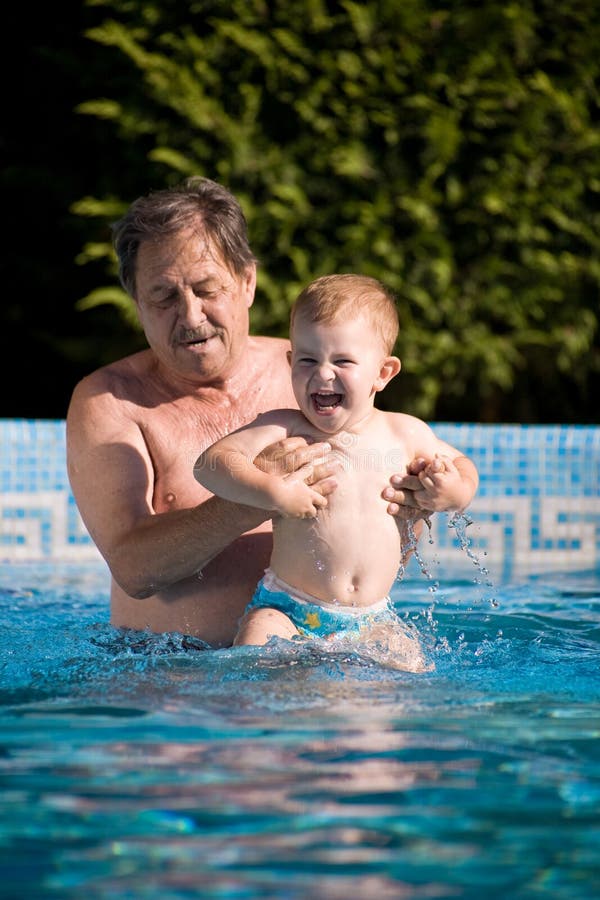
(327, 401)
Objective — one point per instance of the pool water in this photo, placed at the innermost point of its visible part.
(145, 766)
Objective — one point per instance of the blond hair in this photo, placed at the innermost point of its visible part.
(328, 298)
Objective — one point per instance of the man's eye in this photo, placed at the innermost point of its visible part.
(306, 361)
(164, 302)
(206, 293)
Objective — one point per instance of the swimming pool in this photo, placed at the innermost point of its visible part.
(144, 766)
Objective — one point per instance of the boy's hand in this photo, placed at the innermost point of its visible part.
(293, 499)
(441, 485)
(434, 485)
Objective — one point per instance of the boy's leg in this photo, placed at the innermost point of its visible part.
(397, 646)
(259, 625)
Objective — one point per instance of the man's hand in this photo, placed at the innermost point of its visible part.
(296, 459)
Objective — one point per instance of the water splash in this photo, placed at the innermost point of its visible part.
(459, 522)
(411, 549)
(434, 621)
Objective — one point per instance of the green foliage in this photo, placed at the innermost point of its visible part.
(449, 149)
(111, 296)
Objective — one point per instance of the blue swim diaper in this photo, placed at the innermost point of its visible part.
(314, 620)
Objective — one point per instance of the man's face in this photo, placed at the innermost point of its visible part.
(193, 310)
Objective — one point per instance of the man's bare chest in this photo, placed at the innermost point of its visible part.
(176, 435)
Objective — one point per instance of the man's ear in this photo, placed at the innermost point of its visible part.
(249, 282)
(288, 354)
(390, 366)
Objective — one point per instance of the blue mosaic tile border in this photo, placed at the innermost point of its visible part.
(38, 516)
(537, 509)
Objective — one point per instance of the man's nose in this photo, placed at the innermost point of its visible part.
(191, 308)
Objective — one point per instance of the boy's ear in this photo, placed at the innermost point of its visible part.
(390, 367)
(288, 354)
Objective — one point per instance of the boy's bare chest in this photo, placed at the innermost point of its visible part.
(365, 469)
(366, 454)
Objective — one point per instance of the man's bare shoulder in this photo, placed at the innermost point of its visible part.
(117, 379)
(112, 392)
(264, 341)
(121, 371)
(269, 346)
(290, 419)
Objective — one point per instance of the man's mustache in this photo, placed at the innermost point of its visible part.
(190, 335)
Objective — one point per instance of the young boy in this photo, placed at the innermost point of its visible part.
(335, 559)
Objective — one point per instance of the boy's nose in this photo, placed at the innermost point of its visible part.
(325, 372)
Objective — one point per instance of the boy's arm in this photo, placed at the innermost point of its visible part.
(469, 476)
(227, 469)
(439, 477)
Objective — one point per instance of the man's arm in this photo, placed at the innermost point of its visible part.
(112, 479)
(228, 469)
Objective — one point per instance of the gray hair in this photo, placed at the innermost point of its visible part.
(196, 202)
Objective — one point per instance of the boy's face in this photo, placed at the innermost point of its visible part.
(337, 368)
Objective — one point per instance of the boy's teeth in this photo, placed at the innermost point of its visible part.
(327, 399)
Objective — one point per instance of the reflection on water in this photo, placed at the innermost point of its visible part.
(136, 765)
